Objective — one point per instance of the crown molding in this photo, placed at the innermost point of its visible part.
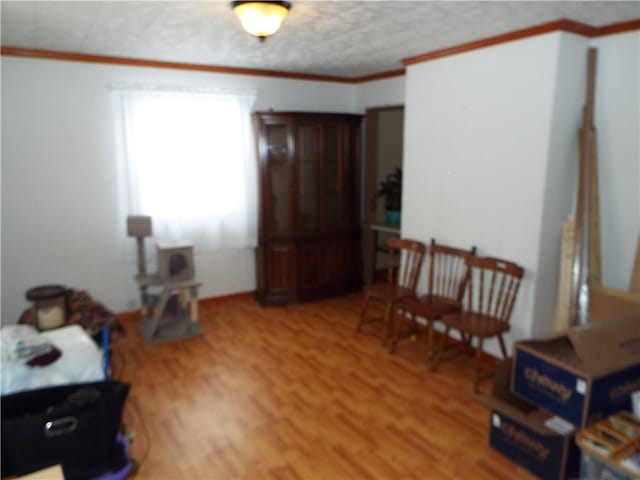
(138, 62)
(379, 76)
(562, 25)
(617, 28)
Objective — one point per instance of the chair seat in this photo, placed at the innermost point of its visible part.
(387, 291)
(476, 324)
(431, 307)
(490, 296)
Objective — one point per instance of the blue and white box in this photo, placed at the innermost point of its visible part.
(583, 375)
(528, 435)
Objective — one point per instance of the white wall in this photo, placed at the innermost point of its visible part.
(491, 156)
(617, 119)
(487, 137)
(477, 128)
(60, 221)
(561, 174)
(617, 122)
(381, 93)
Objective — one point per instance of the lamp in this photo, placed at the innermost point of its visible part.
(261, 18)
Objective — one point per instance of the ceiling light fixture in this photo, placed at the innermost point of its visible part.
(261, 18)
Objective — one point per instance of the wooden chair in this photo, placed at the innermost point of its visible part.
(404, 261)
(487, 306)
(446, 282)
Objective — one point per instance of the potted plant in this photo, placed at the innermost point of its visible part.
(390, 190)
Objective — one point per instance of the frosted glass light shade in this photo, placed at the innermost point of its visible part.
(261, 18)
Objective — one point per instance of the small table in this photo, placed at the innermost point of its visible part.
(377, 229)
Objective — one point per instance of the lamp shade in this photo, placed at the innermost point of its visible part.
(261, 18)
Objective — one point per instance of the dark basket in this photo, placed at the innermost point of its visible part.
(72, 425)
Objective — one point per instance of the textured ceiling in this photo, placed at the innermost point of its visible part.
(342, 38)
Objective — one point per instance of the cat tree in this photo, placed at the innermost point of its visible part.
(169, 297)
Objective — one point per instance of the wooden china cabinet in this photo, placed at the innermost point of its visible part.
(309, 227)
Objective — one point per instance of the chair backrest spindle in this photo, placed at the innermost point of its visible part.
(448, 271)
(405, 261)
(493, 286)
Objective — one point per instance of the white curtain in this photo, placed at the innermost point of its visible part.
(189, 158)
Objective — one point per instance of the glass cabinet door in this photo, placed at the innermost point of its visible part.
(331, 176)
(307, 179)
(278, 180)
(351, 192)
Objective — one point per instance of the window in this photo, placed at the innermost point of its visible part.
(190, 164)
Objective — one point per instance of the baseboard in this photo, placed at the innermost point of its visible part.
(226, 298)
(486, 356)
(456, 343)
(134, 315)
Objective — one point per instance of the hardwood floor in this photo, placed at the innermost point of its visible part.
(293, 392)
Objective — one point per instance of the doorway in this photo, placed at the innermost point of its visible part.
(384, 134)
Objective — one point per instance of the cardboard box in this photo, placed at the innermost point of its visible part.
(518, 431)
(583, 375)
(606, 303)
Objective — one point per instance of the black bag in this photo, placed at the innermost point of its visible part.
(72, 425)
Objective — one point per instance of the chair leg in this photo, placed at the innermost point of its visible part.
(478, 364)
(363, 311)
(394, 330)
(414, 325)
(503, 350)
(466, 340)
(429, 336)
(438, 353)
(388, 322)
